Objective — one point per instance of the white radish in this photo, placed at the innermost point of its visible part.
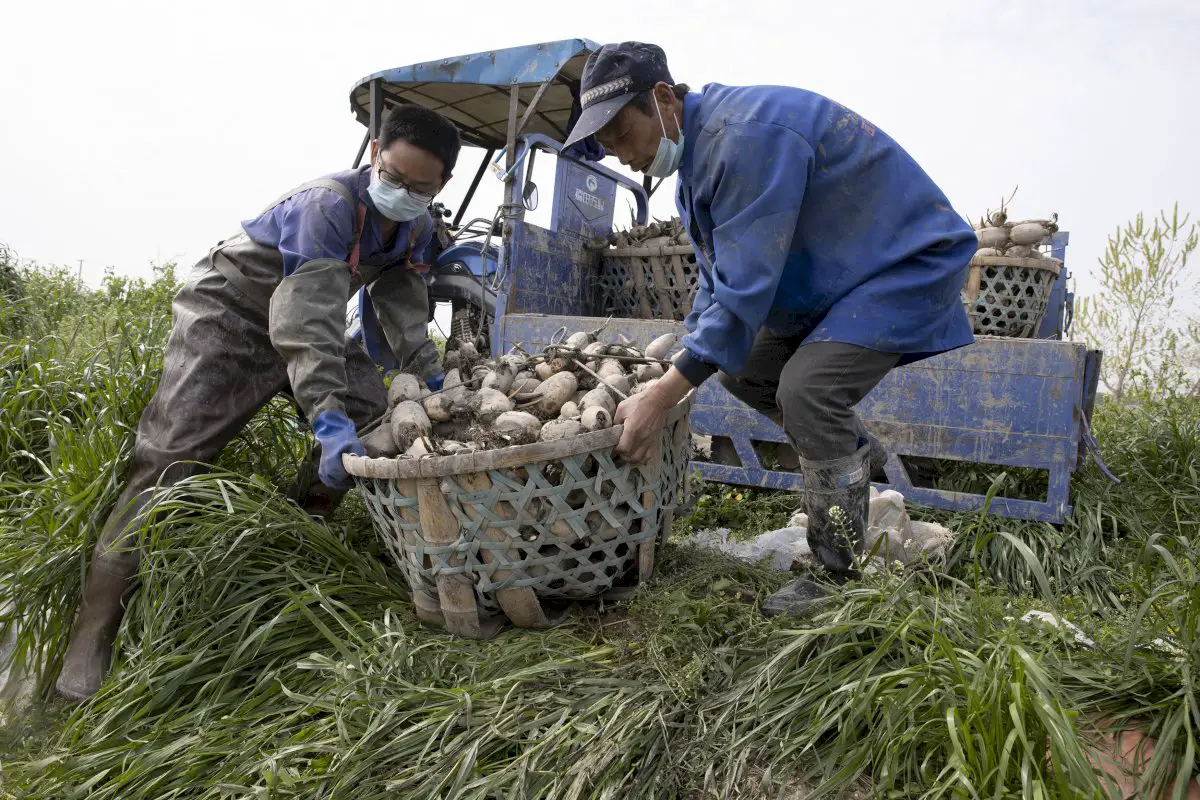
(596, 418)
(578, 341)
(545, 370)
(500, 378)
(409, 422)
(619, 382)
(404, 387)
(594, 352)
(1019, 251)
(598, 398)
(987, 252)
(610, 367)
(570, 410)
(556, 392)
(992, 237)
(438, 407)
(647, 372)
(560, 429)
(519, 426)
(660, 348)
(453, 385)
(488, 404)
(1028, 233)
(420, 447)
(380, 444)
(524, 383)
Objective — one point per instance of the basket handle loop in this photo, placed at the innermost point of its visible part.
(456, 592)
(521, 606)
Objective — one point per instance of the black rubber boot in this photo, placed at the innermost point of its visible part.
(112, 574)
(878, 458)
(306, 490)
(837, 494)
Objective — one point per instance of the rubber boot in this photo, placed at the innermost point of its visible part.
(837, 494)
(315, 498)
(111, 575)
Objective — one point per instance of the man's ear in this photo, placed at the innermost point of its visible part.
(374, 150)
(665, 94)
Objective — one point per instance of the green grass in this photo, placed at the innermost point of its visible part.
(268, 656)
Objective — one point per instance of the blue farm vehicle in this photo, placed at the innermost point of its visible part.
(1006, 402)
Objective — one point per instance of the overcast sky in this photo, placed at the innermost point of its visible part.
(136, 132)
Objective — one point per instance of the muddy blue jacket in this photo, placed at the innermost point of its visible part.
(810, 221)
(320, 224)
(297, 256)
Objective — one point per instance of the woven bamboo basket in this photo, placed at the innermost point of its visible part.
(654, 280)
(1009, 296)
(520, 533)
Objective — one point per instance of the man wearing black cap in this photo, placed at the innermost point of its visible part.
(827, 258)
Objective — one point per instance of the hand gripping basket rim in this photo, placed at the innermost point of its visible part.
(408, 468)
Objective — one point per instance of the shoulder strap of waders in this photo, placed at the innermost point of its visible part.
(232, 274)
(413, 234)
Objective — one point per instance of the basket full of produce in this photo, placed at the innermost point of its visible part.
(500, 497)
(1011, 276)
(647, 272)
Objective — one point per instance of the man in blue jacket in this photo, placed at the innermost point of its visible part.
(265, 314)
(827, 258)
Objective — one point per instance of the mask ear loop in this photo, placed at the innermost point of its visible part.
(662, 125)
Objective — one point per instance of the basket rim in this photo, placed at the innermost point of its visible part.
(660, 250)
(403, 468)
(1049, 264)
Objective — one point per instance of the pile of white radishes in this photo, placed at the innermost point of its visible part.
(656, 234)
(999, 237)
(568, 389)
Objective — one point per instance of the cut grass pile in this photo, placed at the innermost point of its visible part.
(269, 656)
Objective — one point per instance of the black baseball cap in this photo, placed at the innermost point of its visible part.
(613, 76)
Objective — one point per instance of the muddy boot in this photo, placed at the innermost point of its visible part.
(878, 458)
(86, 663)
(315, 498)
(837, 494)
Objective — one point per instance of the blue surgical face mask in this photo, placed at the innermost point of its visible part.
(396, 203)
(669, 154)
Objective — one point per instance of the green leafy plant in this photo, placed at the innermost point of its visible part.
(270, 656)
(1132, 317)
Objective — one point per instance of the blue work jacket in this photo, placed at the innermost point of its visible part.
(812, 222)
(318, 223)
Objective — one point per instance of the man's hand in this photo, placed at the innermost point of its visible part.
(644, 415)
(643, 419)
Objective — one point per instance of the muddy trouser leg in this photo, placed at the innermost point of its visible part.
(819, 387)
(366, 401)
(219, 369)
(401, 301)
(758, 384)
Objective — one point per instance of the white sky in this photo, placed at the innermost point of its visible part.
(135, 132)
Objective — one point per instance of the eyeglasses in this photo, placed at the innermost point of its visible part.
(396, 182)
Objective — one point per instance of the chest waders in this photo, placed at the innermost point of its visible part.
(219, 369)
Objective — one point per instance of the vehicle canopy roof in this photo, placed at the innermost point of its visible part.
(473, 91)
